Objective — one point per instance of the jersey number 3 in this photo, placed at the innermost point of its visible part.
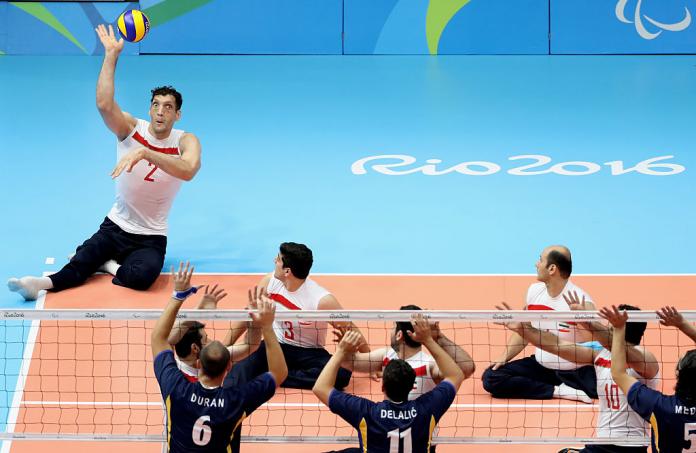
(288, 331)
(395, 436)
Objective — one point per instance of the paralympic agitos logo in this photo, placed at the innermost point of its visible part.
(532, 165)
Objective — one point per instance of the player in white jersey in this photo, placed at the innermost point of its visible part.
(404, 347)
(153, 159)
(302, 341)
(544, 375)
(616, 418)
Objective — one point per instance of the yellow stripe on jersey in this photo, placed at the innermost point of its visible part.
(656, 435)
(168, 404)
(236, 425)
(122, 25)
(363, 434)
(433, 423)
(139, 22)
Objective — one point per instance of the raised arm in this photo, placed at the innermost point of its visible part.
(325, 382)
(119, 122)
(670, 316)
(274, 355)
(618, 348)
(237, 328)
(163, 326)
(252, 339)
(329, 302)
(448, 367)
(460, 356)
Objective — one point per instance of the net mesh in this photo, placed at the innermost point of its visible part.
(74, 374)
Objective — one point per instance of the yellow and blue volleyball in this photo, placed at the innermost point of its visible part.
(133, 25)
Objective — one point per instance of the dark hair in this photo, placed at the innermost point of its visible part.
(297, 257)
(192, 336)
(165, 91)
(397, 380)
(405, 326)
(634, 330)
(214, 359)
(686, 379)
(562, 261)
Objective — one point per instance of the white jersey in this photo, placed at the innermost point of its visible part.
(538, 299)
(145, 195)
(190, 373)
(616, 418)
(420, 362)
(306, 334)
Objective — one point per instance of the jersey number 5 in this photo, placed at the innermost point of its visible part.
(394, 437)
(690, 435)
(201, 432)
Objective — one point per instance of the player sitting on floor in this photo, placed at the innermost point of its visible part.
(616, 419)
(672, 417)
(189, 337)
(403, 347)
(202, 415)
(395, 424)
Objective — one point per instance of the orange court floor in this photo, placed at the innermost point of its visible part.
(63, 371)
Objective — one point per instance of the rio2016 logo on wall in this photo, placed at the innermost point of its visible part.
(529, 165)
(656, 28)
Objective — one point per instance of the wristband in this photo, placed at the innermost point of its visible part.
(182, 295)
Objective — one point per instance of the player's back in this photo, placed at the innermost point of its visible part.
(390, 427)
(673, 422)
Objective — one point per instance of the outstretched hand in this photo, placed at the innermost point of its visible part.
(128, 161)
(615, 317)
(182, 277)
(350, 342)
(211, 297)
(515, 326)
(265, 315)
(670, 316)
(421, 329)
(108, 39)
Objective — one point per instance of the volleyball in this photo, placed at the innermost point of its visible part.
(133, 25)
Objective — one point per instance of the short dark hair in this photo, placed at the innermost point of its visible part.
(634, 330)
(563, 262)
(297, 257)
(686, 378)
(165, 91)
(214, 359)
(405, 326)
(192, 336)
(397, 379)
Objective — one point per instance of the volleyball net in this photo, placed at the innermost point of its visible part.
(74, 374)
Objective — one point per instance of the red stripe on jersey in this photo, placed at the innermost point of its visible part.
(420, 371)
(604, 363)
(190, 378)
(538, 307)
(140, 139)
(284, 302)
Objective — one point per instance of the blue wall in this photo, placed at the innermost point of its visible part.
(360, 27)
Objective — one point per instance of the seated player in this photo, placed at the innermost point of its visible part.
(302, 341)
(395, 424)
(189, 337)
(669, 316)
(202, 416)
(507, 378)
(616, 419)
(672, 417)
(403, 347)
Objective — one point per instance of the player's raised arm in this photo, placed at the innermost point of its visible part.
(325, 382)
(448, 367)
(163, 326)
(458, 354)
(274, 355)
(618, 348)
(670, 316)
(119, 122)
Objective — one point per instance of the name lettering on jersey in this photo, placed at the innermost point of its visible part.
(207, 402)
(399, 415)
(684, 410)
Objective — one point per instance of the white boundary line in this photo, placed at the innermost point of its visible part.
(23, 374)
(319, 405)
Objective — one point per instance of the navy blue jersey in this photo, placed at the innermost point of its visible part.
(201, 419)
(389, 427)
(673, 423)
